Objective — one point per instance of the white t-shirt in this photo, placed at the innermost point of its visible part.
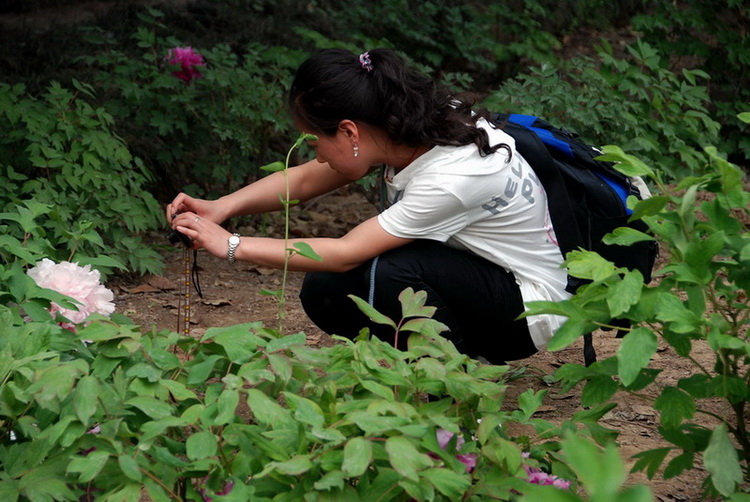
(489, 206)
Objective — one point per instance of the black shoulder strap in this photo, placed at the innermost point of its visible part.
(561, 212)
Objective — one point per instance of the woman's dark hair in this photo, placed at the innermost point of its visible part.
(411, 108)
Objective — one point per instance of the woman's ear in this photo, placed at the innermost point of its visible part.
(350, 129)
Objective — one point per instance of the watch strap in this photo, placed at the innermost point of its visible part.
(233, 244)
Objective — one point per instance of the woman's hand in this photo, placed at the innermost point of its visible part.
(210, 210)
(203, 232)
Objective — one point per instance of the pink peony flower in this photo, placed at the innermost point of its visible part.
(80, 283)
(539, 477)
(188, 59)
(468, 459)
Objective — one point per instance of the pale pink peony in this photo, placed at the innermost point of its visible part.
(79, 283)
(188, 59)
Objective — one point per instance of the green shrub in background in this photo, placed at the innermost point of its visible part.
(697, 303)
(208, 135)
(71, 189)
(637, 103)
(713, 36)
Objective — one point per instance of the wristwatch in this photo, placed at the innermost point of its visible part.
(234, 241)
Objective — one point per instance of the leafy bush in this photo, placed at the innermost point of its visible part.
(638, 104)
(246, 413)
(71, 187)
(710, 35)
(699, 302)
(207, 135)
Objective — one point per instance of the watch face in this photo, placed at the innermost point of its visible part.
(234, 240)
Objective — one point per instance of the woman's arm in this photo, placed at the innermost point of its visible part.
(306, 181)
(362, 243)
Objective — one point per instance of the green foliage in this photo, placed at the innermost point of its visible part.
(256, 415)
(71, 188)
(698, 303)
(208, 135)
(637, 103)
(711, 35)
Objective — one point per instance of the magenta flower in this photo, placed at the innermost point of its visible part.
(468, 459)
(188, 59)
(225, 491)
(539, 477)
(79, 283)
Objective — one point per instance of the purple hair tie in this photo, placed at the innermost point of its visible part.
(364, 60)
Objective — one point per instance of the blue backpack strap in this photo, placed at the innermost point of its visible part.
(545, 135)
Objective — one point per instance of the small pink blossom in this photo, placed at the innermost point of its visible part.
(225, 491)
(188, 59)
(539, 477)
(468, 459)
(80, 283)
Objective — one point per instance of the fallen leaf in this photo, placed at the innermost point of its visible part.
(161, 282)
(143, 288)
(218, 302)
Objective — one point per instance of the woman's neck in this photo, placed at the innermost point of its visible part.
(405, 155)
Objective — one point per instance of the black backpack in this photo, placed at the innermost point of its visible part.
(586, 197)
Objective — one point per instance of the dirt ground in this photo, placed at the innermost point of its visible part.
(231, 295)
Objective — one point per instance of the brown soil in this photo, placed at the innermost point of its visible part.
(231, 295)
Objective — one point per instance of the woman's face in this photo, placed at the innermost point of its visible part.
(338, 151)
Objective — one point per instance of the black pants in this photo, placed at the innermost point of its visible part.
(478, 300)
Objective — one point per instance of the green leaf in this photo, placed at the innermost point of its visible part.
(649, 207)
(9, 490)
(413, 304)
(448, 482)
(331, 480)
(150, 406)
(650, 461)
(625, 236)
(670, 309)
(744, 116)
(635, 351)
(675, 406)
(298, 464)
(530, 401)
(178, 390)
(85, 398)
(589, 265)
(304, 249)
(201, 445)
(285, 342)
(722, 461)
(129, 466)
(568, 333)
(405, 458)
(227, 406)
(626, 164)
(601, 472)
(373, 314)
(266, 410)
(679, 464)
(625, 293)
(273, 167)
(598, 390)
(306, 411)
(89, 466)
(357, 456)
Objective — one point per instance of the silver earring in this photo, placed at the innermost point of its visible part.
(356, 150)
